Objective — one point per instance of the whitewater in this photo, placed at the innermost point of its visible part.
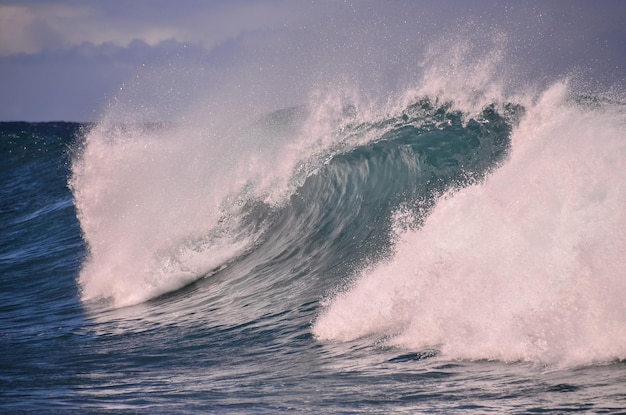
(452, 244)
(524, 265)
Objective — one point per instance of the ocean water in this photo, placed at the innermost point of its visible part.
(446, 249)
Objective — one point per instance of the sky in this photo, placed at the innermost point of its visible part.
(71, 59)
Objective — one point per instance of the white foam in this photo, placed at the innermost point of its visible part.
(159, 205)
(528, 265)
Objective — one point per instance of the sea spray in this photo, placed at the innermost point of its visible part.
(525, 265)
(138, 191)
(162, 204)
(162, 180)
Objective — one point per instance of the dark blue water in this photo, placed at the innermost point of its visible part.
(358, 268)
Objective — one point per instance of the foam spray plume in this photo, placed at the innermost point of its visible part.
(162, 204)
(147, 204)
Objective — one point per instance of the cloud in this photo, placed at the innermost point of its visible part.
(31, 27)
(77, 54)
(136, 53)
(66, 59)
